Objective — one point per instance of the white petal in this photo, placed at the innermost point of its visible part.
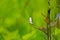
(30, 20)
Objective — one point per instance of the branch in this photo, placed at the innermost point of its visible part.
(36, 27)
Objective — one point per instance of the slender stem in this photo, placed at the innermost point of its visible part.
(48, 24)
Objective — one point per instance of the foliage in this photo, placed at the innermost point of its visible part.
(14, 19)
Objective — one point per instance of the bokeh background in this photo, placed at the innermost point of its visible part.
(14, 19)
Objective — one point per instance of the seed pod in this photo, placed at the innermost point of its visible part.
(46, 20)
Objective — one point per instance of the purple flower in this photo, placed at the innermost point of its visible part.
(58, 16)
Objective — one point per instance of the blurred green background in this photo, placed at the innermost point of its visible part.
(14, 16)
